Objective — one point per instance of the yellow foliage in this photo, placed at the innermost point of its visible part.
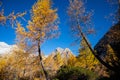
(72, 61)
(20, 64)
(86, 58)
(20, 29)
(43, 14)
(3, 63)
(43, 24)
(111, 56)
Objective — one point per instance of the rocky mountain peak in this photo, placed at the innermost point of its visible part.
(58, 58)
(67, 50)
(59, 49)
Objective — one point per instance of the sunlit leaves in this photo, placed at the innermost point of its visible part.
(20, 29)
(43, 24)
(54, 62)
(86, 58)
(72, 61)
(18, 63)
(44, 19)
(12, 17)
(21, 36)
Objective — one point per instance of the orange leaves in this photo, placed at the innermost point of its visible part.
(21, 33)
(43, 24)
(12, 17)
(2, 17)
(20, 29)
(41, 5)
(3, 63)
(43, 14)
(43, 20)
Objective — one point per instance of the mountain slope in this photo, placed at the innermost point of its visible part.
(58, 58)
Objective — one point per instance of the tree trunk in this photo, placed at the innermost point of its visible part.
(40, 58)
(119, 10)
(94, 53)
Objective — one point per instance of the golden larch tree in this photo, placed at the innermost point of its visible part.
(81, 25)
(42, 26)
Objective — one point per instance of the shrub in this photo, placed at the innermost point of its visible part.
(75, 73)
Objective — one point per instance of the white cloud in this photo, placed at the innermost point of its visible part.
(5, 48)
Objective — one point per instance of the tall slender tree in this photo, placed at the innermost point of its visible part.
(80, 20)
(42, 26)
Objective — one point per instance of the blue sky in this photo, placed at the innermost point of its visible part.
(101, 9)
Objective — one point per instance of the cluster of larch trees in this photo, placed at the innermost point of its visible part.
(43, 25)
